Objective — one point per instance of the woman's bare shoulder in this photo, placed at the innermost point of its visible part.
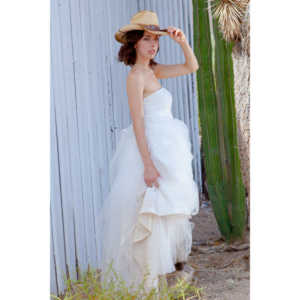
(135, 76)
(135, 72)
(135, 83)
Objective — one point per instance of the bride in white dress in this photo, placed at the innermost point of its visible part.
(144, 221)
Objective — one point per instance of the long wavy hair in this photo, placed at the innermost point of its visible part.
(127, 52)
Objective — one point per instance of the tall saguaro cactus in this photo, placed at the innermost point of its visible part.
(215, 81)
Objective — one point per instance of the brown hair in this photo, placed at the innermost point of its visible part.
(127, 53)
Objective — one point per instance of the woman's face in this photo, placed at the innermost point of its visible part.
(147, 46)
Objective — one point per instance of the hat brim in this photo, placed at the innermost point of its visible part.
(119, 35)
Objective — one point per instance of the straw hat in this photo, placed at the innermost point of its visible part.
(143, 20)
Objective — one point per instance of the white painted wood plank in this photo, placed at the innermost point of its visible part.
(56, 212)
(62, 39)
(53, 269)
(80, 130)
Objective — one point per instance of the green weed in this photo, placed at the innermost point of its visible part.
(91, 286)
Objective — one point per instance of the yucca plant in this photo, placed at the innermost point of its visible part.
(230, 14)
(215, 83)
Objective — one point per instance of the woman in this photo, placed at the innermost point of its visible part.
(145, 227)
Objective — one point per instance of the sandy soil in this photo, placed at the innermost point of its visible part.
(221, 270)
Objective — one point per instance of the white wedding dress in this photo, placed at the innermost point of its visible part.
(146, 230)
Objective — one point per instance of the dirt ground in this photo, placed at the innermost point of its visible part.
(221, 270)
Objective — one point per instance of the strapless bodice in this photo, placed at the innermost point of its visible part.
(158, 105)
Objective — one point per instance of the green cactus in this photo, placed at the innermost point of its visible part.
(215, 84)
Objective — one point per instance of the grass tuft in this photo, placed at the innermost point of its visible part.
(92, 287)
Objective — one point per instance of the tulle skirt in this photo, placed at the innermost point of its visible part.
(144, 231)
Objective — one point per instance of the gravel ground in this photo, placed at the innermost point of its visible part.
(221, 270)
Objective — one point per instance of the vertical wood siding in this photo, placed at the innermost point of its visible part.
(89, 108)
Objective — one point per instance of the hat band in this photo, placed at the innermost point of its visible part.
(152, 27)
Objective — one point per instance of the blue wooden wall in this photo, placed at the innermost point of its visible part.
(89, 107)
